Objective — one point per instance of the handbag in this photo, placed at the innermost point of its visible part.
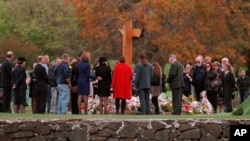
(216, 83)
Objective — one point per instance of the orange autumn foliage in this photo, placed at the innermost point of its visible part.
(216, 28)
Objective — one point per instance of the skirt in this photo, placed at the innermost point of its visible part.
(220, 99)
(155, 91)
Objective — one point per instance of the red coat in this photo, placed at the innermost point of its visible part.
(122, 81)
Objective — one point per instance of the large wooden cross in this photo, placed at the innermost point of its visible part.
(128, 33)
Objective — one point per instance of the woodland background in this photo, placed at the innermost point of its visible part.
(216, 28)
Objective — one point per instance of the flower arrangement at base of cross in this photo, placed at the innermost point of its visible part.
(189, 105)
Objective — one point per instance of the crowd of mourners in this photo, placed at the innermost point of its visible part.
(65, 85)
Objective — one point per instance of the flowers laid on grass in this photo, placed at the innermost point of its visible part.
(189, 105)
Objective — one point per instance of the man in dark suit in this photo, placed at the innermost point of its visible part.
(6, 82)
(41, 85)
(176, 83)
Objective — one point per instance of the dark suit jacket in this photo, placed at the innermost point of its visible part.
(175, 76)
(6, 70)
(228, 83)
(42, 78)
(19, 77)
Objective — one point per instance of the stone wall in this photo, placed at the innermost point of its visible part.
(117, 129)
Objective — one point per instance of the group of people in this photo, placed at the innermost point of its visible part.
(54, 86)
(191, 80)
(204, 71)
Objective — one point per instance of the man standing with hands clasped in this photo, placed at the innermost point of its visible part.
(6, 70)
(176, 83)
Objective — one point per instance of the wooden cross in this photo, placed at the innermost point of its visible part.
(128, 33)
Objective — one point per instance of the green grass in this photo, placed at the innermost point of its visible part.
(30, 116)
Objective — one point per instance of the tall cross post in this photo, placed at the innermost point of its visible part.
(128, 33)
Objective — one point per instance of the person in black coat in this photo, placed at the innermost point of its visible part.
(103, 73)
(228, 80)
(187, 77)
(19, 86)
(176, 83)
(6, 71)
(243, 83)
(41, 85)
(32, 90)
(198, 77)
(211, 74)
(74, 95)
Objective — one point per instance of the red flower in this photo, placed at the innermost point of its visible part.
(186, 107)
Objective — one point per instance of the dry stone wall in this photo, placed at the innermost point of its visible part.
(117, 130)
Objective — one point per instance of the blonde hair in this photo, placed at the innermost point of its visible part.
(40, 59)
(230, 68)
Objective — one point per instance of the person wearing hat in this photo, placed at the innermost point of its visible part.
(176, 83)
(103, 74)
(19, 85)
(6, 71)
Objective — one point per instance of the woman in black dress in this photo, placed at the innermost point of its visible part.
(103, 73)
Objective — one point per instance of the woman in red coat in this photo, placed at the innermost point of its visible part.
(122, 84)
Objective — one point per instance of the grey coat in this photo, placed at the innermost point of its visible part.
(143, 76)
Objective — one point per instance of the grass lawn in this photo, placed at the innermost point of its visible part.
(29, 116)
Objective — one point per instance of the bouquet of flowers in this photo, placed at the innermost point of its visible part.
(188, 105)
(191, 106)
(133, 104)
(206, 105)
(165, 104)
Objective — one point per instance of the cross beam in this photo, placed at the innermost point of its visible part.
(128, 33)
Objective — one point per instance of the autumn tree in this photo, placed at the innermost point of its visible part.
(216, 28)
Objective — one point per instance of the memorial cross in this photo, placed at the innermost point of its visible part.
(128, 33)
